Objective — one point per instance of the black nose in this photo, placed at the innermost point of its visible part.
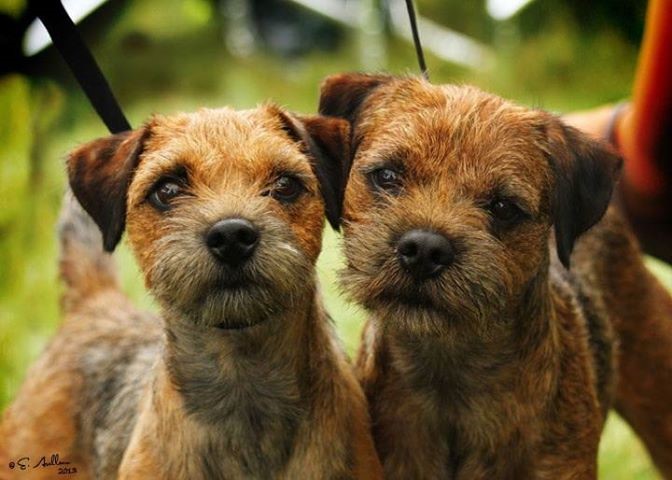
(424, 254)
(232, 240)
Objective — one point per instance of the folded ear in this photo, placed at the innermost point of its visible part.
(326, 141)
(341, 95)
(100, 173)
(585, 175)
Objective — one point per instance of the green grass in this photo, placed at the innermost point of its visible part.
(156, 65)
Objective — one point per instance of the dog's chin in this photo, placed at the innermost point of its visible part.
(411, 318)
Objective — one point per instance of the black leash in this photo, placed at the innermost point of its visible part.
(76, 54)
(416, 39)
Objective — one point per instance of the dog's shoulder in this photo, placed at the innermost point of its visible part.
(113, 365)
(586, 304)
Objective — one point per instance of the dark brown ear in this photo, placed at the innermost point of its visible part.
(100, 173)
(326, 141)
(585, 175)
(341, 95)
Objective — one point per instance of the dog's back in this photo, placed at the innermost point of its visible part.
(611, 272)
(83, 389)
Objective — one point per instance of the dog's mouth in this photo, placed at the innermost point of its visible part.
(233, 286)
(239, 303)
(233, 281)
(238, 326)
(409, 299)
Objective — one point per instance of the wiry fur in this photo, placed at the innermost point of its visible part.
(120, 393)
(504, 365)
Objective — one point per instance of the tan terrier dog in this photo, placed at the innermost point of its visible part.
(243, 376)
(484, 356)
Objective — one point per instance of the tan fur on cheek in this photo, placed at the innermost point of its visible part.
(144, 228)
(358, 199)
(308, 232)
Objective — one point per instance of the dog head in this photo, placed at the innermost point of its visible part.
(224, 209)
(452, 196)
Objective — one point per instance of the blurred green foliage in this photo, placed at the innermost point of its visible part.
(169, 55)
(624, 17)
(469, 18)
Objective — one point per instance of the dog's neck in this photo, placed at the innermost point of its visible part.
(248, 390)
(204, 362)
(468, 387)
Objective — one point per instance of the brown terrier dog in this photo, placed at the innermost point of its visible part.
(243, 378)
(484, 357)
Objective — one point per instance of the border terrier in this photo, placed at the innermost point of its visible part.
(242, 376)
(485, 356)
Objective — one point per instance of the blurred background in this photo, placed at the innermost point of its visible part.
(163, 56)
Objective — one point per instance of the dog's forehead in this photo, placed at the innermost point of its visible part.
(450, 126)
(249, 140)
(229, 130)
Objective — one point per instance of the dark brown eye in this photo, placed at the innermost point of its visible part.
(164, 193)
(286, 189)
(505, 211)
(386, 179)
